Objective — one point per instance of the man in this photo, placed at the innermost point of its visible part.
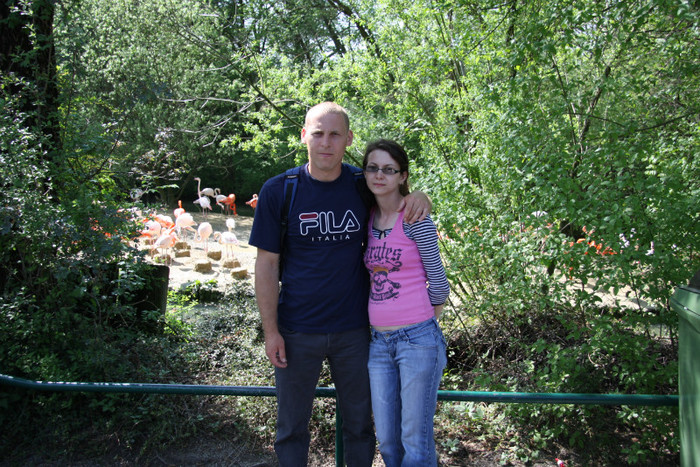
(320, 311)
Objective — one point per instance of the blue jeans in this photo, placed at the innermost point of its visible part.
(405, 367)
(347, 354)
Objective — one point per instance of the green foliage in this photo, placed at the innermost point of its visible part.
(179, 305)
(70, 287)
(594, 352)
(202, 292)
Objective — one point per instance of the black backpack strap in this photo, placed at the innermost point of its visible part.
(361, 185)
(365, 194)
(291, 179)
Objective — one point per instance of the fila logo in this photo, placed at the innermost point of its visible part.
(325, 223)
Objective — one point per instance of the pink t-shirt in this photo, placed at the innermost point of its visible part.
(398, 286)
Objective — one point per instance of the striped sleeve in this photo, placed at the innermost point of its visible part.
(424, 233)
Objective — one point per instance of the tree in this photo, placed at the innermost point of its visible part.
(28, 65)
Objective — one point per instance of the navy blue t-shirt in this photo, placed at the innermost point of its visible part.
(324, 281)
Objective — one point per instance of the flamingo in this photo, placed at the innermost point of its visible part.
(184, 221)
(202, 198)
(153, 225)
(228, 240)
(204, 191)
(151, 231)
(230, 203)
(179, 209)
(204, 203)
(220, 199)
(230, 224)
(165, 241)
(165, 221)
(253, 202)
(204, 231)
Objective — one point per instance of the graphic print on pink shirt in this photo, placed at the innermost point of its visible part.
(383, 288)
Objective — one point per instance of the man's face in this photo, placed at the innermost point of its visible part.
(326, 137)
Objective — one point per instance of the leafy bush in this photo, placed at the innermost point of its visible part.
(71, 307)
(554, 352)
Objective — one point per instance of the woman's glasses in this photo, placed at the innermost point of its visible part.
(373, 169)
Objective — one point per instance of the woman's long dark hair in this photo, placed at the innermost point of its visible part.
(396, 152)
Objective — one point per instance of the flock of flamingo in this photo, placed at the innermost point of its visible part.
(226, 203)
(162, 233)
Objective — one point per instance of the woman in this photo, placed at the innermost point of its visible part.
(408, 291)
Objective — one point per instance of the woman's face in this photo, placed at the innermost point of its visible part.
(379, 182)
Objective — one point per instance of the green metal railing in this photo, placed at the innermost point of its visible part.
(269, 391)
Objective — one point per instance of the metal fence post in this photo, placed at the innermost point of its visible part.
(339, 447)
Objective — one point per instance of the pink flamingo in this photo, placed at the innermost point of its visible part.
(165, 221)
(179, 210)
(204, 231)
(209, 192)
(165, 241)
(151, 231)
(253, 202)
(184, 221)
(228, 240)
(202, 199)
(230, 203)
(220, 199)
